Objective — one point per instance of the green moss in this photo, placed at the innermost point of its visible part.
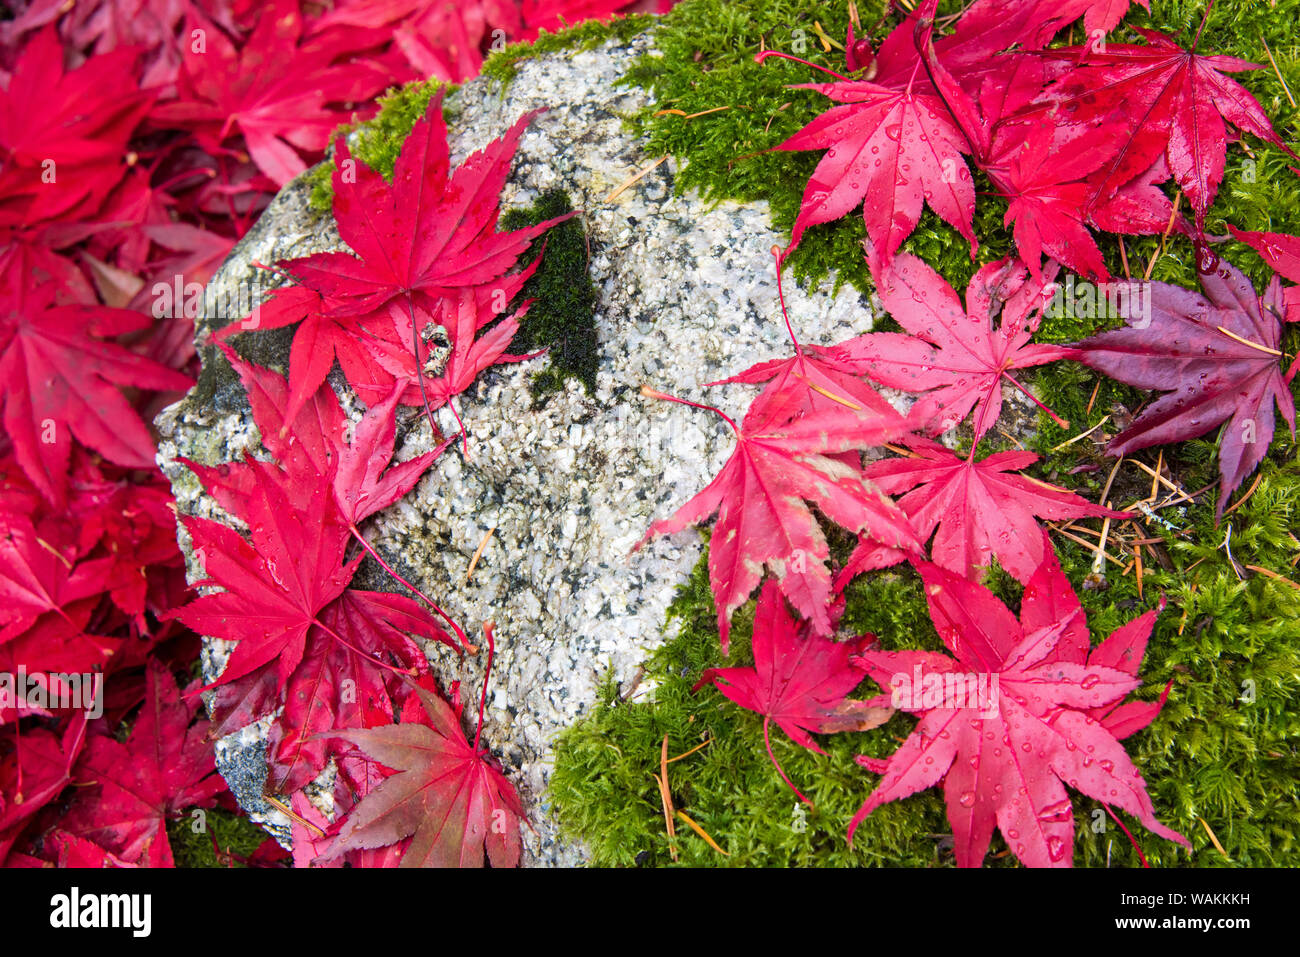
(503, 64)
(235, 834)
(562, 318)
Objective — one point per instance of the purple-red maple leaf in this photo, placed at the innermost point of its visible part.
(458, 810)
(799, 680)
(762, 520)
(1006, 723)
(1215, 356)
(954, 355)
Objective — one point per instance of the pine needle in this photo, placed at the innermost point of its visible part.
(702, 833)
(634, 179)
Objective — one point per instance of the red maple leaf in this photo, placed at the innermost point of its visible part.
(1282, 253)
(1052, 599)
(426, 253)
(981, 512)
(1005, 754)
(273, 89)
(954, 355)
(1174, 102)
(987, 27)
(35, 766)
(277, 582)
(1039, 167)
(63, 133)
(892, 151)
(457, 808)
(57, 375)
(164, 767)
(38, 580)
(762, 520)
(799, 680)
(1216, 356)
(303, 636)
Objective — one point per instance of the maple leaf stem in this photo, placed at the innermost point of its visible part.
(1141, 857)
(777, 764)
(760, 57)
(464, 433)
(1055, 418)
(1195, 40)
(780, 292)
(650, 393)
(460, 635)
(482, 698)
(419, 367)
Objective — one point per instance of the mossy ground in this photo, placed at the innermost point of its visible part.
(1221, 757)
(236, 838)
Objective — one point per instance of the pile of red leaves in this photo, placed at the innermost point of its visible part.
(1076, 140)
(139, 140)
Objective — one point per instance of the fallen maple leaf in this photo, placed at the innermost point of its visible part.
(63, 132)
(890, 150)
(165, 766)
(1004, 759)
(1215, 356)
(457, 808)
(35, 766)
(58, 372)
(799, 680)
(1175, 102)
(981, 512)
(427, 253)
(272, 88)
(954, 355)
(762, 520)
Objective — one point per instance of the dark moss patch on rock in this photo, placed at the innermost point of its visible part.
(562, 319)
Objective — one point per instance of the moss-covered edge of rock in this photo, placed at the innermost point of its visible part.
(502, 65)
(1223, 753)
